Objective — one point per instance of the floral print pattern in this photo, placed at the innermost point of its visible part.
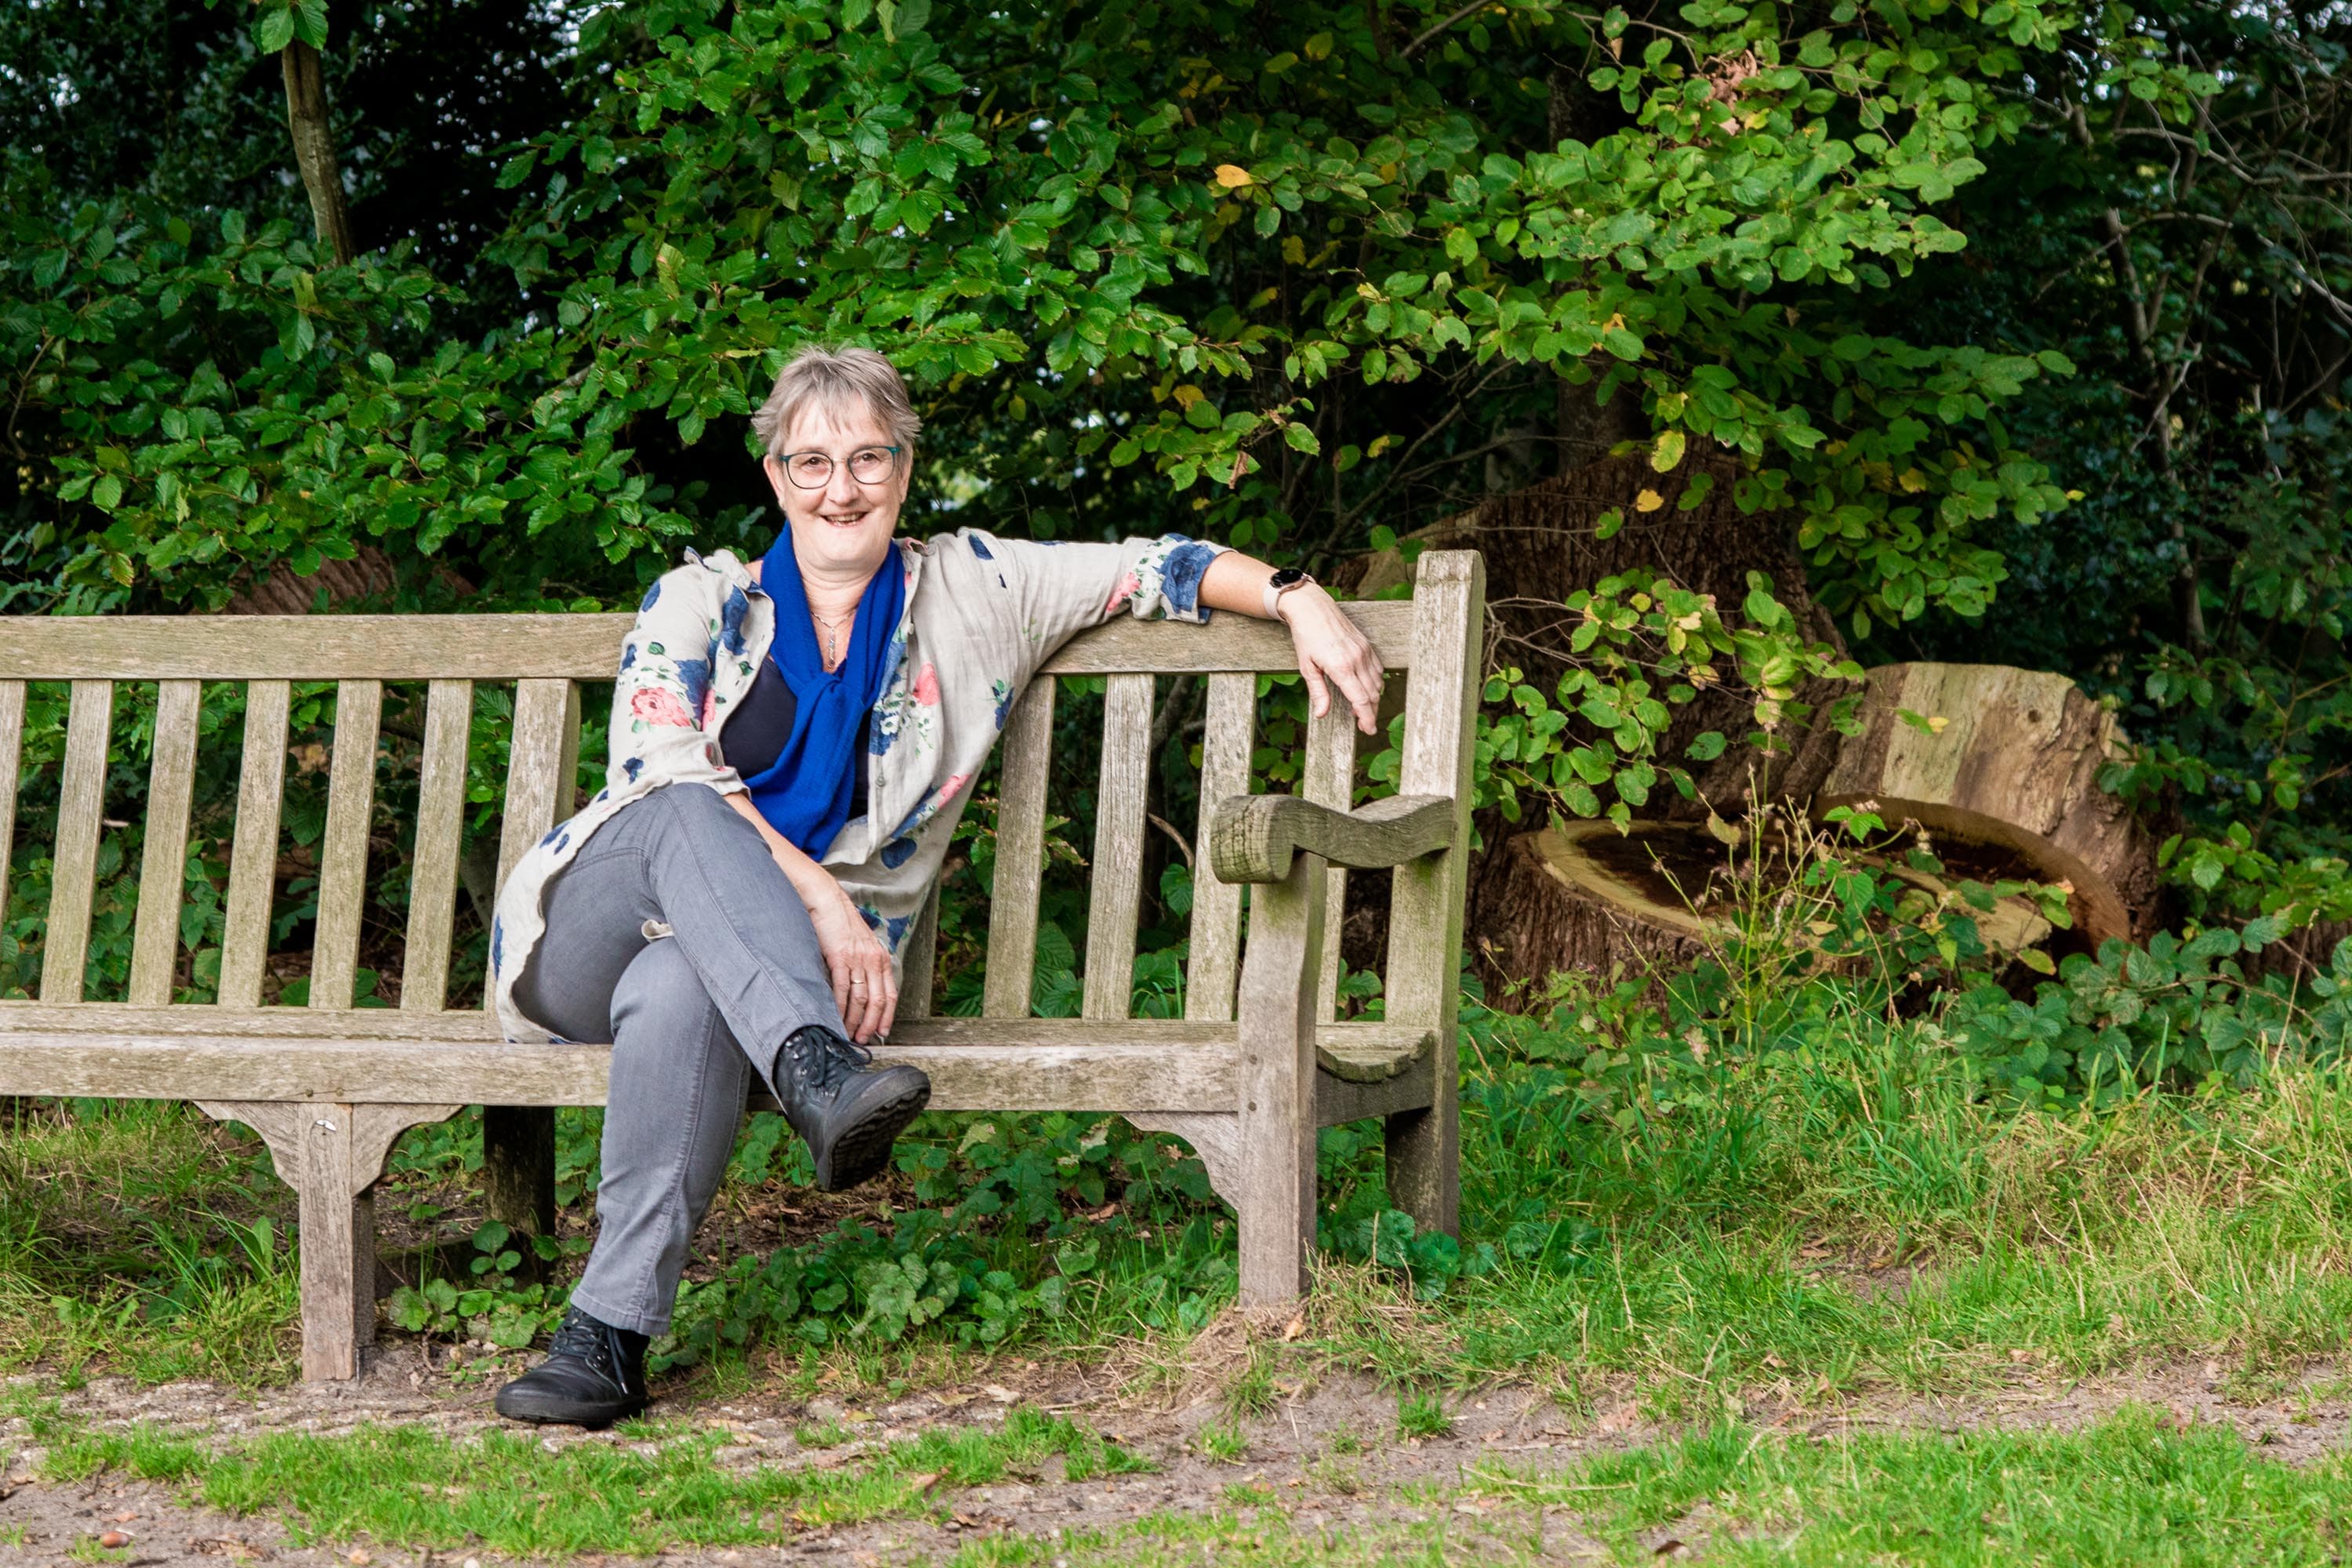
(982, 614)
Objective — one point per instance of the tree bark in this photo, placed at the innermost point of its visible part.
(314, 148)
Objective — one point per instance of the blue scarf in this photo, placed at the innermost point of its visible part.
(810, 791)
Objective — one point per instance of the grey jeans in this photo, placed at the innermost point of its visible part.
(675, 936)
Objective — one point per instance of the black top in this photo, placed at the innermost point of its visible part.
(758, 730)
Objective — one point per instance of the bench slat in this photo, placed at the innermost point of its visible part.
(253, 856)
(918, 968)
(1041, 1064)
(342, 853)
(1115, 880)
(967, 1077)
(539, 770)
(399, 1028)
(1215, 946)
(1328, 779)
(81, 802)
(440, 825)
(565, 648)
(162, 865)
(318, 647)
(1028, 757)
(12, 749)
(1231, 643)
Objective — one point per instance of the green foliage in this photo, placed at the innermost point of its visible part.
(1643, 648)
(1218, 266)
(2173, 1013)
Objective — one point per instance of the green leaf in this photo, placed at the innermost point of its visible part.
(1667, 453)
(273, 30)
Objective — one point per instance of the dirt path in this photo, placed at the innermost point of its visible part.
(1325, 1458)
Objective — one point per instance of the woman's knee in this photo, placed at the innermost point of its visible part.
(661, 994)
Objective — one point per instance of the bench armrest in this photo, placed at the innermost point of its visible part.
(1252, 838)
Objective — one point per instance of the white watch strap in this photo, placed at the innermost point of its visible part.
(1274, 595)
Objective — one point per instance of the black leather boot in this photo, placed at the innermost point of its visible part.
(847, 1110)
(593, 1376)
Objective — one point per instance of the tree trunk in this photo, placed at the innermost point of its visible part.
(314, 148)
(1540, 545)
(2000, 755)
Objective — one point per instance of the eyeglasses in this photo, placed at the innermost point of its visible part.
(813, 470)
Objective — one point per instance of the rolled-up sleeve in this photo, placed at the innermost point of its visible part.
(1049, 593)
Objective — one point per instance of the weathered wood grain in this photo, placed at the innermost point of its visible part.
(1115, 880)
(1423, 982)
(12, 752)
(1028, 747)
(572, 647)
(1215, 965)
(915, 971)
(538, 791)
(252, 857)
(440, 829)
(1252, 838)
(1216, 1137)
(318, 647)
(1328, 778)
(1079, 1076)
(1229, 643)
(162, 864)
(1276, 1201)
(1337, 1100)
(81, 803)
(343, 851)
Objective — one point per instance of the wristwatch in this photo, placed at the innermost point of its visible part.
(1282, 583)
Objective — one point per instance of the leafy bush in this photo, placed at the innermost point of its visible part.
(2173, 1014)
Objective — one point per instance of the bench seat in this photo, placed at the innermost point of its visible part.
(385, 1057)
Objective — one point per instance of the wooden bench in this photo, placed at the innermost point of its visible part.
(1249, 1073)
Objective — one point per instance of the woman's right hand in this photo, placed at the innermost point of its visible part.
(864, 987)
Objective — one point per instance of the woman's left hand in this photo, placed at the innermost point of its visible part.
(1332, 650)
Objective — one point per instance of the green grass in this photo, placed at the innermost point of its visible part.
(142, 1236)
(411, 1488)
(2127, 1491)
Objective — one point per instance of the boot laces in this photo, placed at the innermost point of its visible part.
(581, 1335)
(826, 1060)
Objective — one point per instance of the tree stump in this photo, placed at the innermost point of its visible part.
(1656, 897)
(1993, 755)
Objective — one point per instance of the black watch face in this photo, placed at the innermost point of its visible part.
(1285, 577)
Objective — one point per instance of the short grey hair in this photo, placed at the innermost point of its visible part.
(835, 380)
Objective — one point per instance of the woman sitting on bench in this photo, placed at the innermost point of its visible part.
(794, 740)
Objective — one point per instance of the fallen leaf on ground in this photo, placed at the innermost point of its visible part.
(925, 1481)
(998, 1392)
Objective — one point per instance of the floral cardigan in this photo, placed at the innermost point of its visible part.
(981, 615)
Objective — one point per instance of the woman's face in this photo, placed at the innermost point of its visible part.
(841, 526)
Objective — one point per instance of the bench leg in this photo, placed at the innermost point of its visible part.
(1275, 1190)
(332, 1154)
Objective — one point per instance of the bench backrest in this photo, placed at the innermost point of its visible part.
(1432, 638)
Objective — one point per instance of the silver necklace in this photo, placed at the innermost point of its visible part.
(831, 628)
